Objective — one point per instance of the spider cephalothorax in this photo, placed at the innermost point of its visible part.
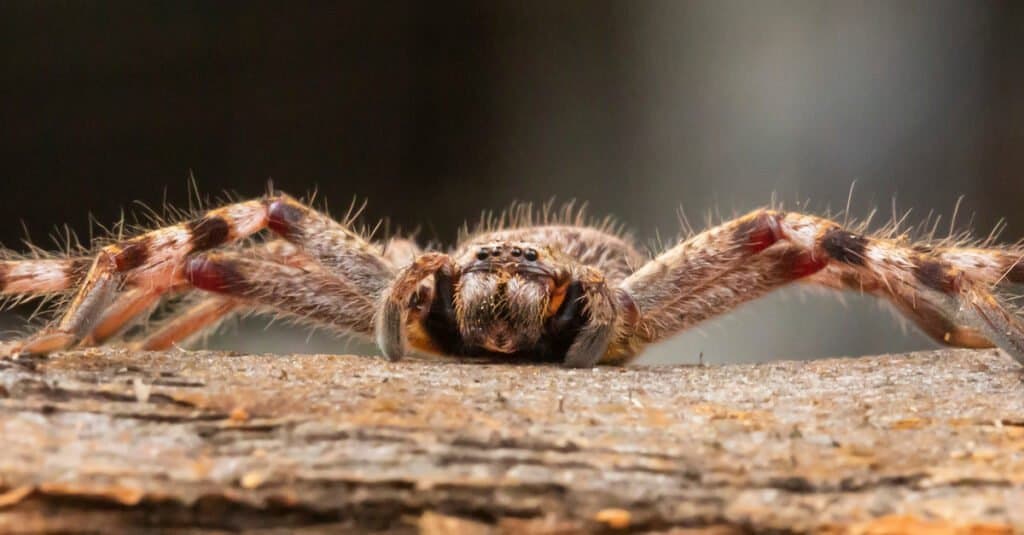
(503, 295)
(560, 291)
(518, 299)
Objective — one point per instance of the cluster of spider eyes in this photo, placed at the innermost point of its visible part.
(528, 254)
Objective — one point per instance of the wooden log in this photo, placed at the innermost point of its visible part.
(109, 440)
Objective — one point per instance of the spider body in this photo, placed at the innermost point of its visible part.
(500, 299)
(513, 295)
(562, 291)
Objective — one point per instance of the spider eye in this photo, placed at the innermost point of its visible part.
(531, 255)
(482, 254)
(517, 251)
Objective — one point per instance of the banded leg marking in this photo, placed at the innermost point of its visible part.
(742, 259)
(156, 262)
(315, 296)
(37, 277)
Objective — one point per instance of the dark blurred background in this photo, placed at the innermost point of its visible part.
(434, 111)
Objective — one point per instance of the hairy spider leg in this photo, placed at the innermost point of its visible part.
(32, 277)
(132, 306)
(189, 323)
(314, 296)
(938, 314)
(136, 304)
(210, 311)
(156, 261)
(992, 266)
(718, 269)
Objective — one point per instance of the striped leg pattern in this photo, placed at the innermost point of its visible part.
(125, 280)
(278, 257)
(947, 291)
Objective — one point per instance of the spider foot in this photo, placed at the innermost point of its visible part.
(40, 344)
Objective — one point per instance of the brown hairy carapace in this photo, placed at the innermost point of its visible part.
(523, 287)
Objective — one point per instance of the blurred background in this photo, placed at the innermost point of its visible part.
(435, 111)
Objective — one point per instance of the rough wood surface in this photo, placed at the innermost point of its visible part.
(208, 441)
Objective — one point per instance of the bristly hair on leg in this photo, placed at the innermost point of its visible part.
(39, 274)
(331, 272)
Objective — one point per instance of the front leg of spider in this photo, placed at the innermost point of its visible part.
(588, 310)
(410, 295)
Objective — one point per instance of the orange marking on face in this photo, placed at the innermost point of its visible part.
(557, 297)
(419, 339)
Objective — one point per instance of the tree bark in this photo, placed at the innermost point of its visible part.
(110, 440)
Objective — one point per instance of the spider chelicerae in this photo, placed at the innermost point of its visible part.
(526, 289)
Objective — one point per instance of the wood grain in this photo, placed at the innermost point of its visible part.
(109, 440)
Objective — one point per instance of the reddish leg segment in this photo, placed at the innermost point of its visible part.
(155, 262)
(739, 260)
(199, 318)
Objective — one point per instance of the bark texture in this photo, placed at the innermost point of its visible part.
(109, 440)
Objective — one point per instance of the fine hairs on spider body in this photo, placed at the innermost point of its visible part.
(523, 290)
